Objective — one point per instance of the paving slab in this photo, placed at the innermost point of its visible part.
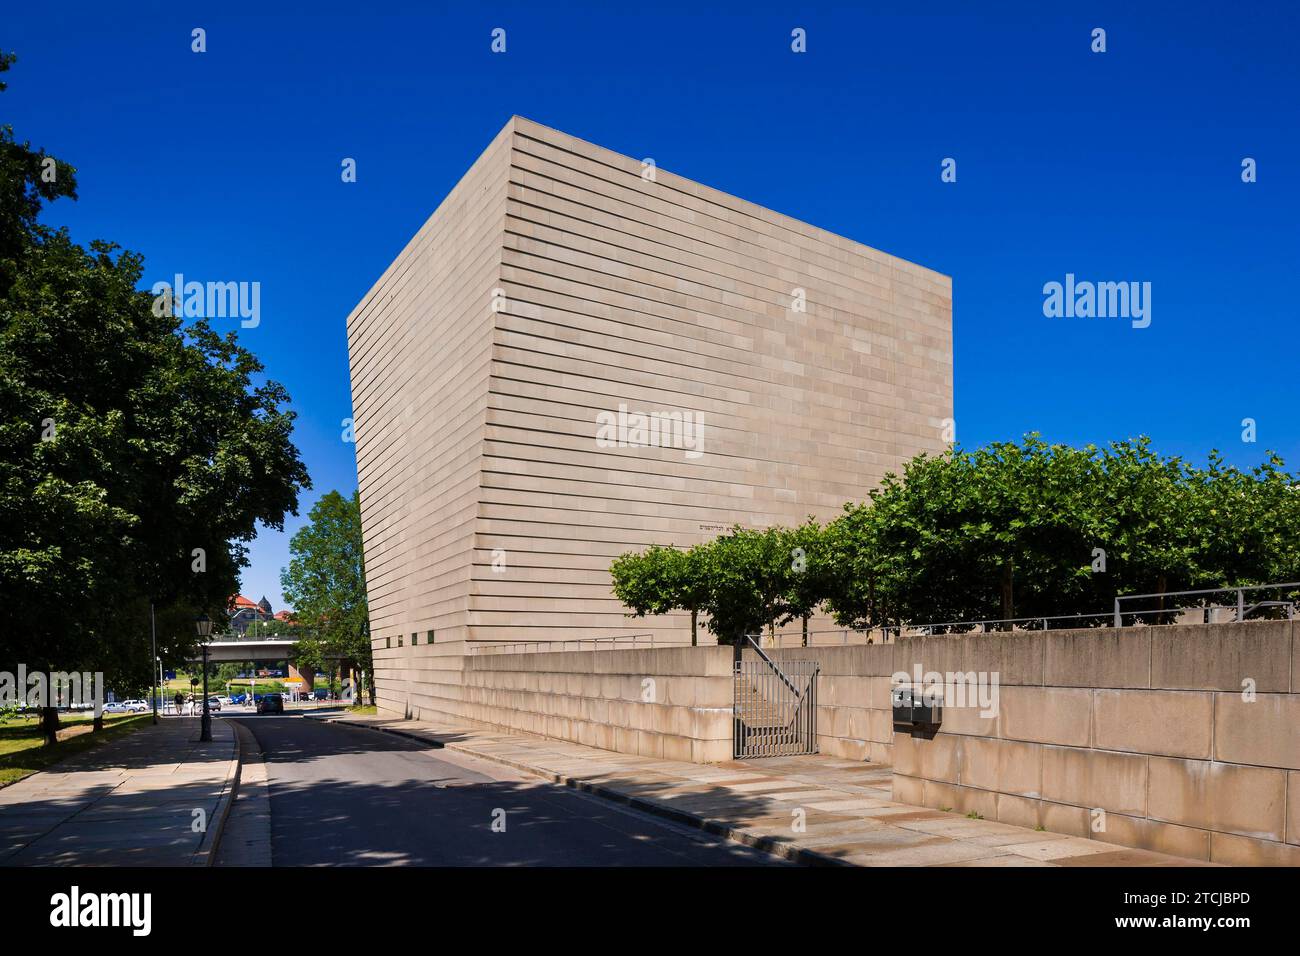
(128, 802)
(847, 815)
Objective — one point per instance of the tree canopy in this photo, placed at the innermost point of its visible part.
(137, 456)
(1013, 529)
(326, 583)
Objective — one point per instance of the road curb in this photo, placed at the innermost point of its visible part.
(207, 848)
(788, 851)
(246, 832)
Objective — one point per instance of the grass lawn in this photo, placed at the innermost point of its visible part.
(22, 753)
(363, 710)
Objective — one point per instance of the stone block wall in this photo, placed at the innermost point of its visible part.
(668, 702)
(1145, 731)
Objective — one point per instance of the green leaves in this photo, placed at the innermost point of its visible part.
(744, 580)
(326, 581)
(1008, 530)
(126, 442)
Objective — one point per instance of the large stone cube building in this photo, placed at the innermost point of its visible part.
(502, 362)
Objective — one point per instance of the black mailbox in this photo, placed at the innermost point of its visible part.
(927, 707)
(902, 699)
(915, 705)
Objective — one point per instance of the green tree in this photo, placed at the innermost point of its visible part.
(661, 580)
(29, 178)
(752, 582)
(811, 572)
(137, 456)
(326, 583)
(1010, 530)
(1029, 529)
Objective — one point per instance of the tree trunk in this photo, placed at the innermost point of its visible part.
(694, 614)
(98, 724)
(50, 725)
(1008, 603)
(805, 630)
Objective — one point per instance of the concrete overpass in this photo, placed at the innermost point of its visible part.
(231, 650)
(234, 649)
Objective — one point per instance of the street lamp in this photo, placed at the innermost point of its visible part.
(203, 626)
(153, 641)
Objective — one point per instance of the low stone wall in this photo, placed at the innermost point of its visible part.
(1145, 731)
(669, 702)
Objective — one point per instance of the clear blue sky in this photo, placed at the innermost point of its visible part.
(1117, 166)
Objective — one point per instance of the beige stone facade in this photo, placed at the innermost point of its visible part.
(559, 291)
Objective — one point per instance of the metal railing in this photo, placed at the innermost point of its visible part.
(236, 638)
(824, 637)
(1175, 609)
(990, 625)
(1239, 610)
(615, 642)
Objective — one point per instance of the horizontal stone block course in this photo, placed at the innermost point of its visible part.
(1097, 657)
(1017, 811)
(1232, 850)
(1160, 837)
(941, 655)
(1049, 715)
(1248, 801)
(1115, 782)
(1006, 766)
(1263, 731)
(1015, 657)
(1170, 723)
(1222, 656)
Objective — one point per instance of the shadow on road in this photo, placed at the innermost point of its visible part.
(352, 796)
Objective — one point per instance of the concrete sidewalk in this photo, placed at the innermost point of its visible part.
(815, 809)
(129, 802)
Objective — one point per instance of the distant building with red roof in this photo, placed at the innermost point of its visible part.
(245, 612)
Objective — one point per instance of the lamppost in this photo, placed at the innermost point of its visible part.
(203, 626)
(153, 638)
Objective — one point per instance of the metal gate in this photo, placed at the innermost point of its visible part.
(775, 708)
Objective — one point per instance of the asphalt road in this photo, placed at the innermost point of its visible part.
(350, 796)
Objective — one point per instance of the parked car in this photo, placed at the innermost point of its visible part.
(238, 698)
(116, 707)
(136, 706)
(271, 704)
(214, 703)
(322, 693)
